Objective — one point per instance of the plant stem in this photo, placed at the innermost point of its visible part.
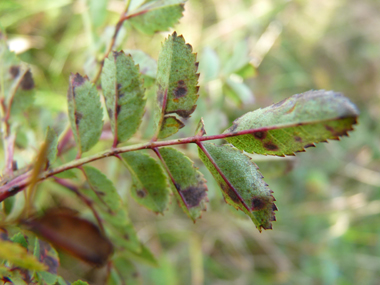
(20, 182)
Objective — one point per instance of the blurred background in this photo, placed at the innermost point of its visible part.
(252, 54)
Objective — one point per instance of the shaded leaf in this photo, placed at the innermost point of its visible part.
(273, 166)
(295, 123)
(177, 90)
(150, 186)
(20, 239)
(111, 208)
(46, 254)
(238, 91)
(148, 66)
(190, 186)
(19, 256)
(98, 11)
(75, 235)
(52, 142)
(47, 277)
(209, 64)
(254, 197)
(144, 256)
(157, 16)
(123, 271)
(200, 130)
(124, 93)
(85, 113)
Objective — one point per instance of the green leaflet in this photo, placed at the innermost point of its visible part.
(20, 239)
(52, 143)
(106, 199)
(295, 123)
(190, 186)
(19, 256)
(157, 16)
(243, 175)
(85, 113)
(47, 255)
(177, 79)
(123, 271)
(16, 82)
(98, 11)
(150, 186)
(79, 282)
(124, 93)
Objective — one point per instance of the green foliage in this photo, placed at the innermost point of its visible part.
(124, 94)
(85, 112)
(88, 216)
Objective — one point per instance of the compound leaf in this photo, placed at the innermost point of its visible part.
(190, 186)
(19, 256)
(150, 186)
(85, 113)
(295, 123)
(251, 194)
(124, 94)
(157, 16)
(177, 90)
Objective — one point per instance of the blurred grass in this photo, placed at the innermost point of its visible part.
(327, 229)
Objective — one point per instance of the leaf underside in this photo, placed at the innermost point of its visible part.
(189, 182)
(177, 90)
(157, 16)
(124, 94)
(256, 198)
(85, 112)
(295, 123)
(149, 183)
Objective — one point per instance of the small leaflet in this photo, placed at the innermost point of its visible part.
(177, 90)
(85, 112)
(157, 16)
(75, 235)
(295, 123)
(149, 184)
(52, 142)
(123, 90)
(256, 198)
(111, 208)
(189, 186)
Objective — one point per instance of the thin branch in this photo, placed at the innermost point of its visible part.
(18, 183)
(87, 201)
(200, 145)
(170, 175)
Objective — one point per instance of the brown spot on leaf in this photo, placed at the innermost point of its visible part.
(181, 89)
(78, 117)
(279, 103)
(232, 128)
(126, 236)
(27, 82)
(230, 193)
(77, 80)
(258, 203)
(160, 96)
(189, 47)
(196, 64)
(14, 71)
(274, 207)
(193, 195)
(271, 146)
(186, 113)
(118, 108)
(110, 112)
(297, 139)
(260, 135)
(141, 193)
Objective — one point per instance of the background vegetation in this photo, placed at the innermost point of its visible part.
(251, 53)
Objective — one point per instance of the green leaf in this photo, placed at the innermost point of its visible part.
(19, 256)
(238, 91)
(47, 277)
(209, 64)
(85, 112)
(295, 123)
(190, 186)
(123, 90)
(150, 186)
(79, 282)
(144, 256)
(148, 66)
(124, 271)
(16, 80)
(251, 194)
(177, 79)
(105, 198)
(20, 239)
(157, 16)
(52, 143)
